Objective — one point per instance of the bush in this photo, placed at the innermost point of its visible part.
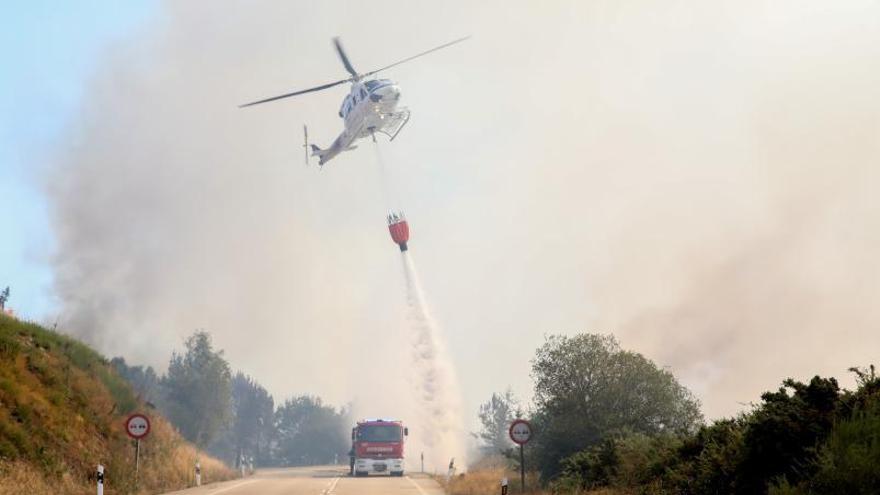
(782, 435)
(709, 461)
(626, 460)
(848, 461)
(9, 346)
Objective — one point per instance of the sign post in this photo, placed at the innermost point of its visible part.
(137, 426)
(521, 432)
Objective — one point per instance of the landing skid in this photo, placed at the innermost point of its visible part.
(396, 122)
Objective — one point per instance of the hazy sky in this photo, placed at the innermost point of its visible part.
(48, 50)
(698, 178)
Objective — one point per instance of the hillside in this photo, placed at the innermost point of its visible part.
(62, 409)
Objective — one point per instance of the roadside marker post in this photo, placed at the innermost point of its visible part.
(100, 477)
(503, 486)
(423, 462)
(198, 473)
(451, 472)
(521, 432)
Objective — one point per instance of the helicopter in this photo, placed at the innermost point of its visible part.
(370, 107)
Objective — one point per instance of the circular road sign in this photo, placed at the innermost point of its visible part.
(137, 426)
(520, 431)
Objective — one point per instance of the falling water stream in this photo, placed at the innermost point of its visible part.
(434, 381)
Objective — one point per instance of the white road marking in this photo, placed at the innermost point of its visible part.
(421, 491)
(233, 486)
(330, 487)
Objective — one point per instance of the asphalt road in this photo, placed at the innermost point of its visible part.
(322, 480)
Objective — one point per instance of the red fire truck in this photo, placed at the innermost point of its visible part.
(377, 445)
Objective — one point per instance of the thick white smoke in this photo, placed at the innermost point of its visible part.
(697, 177)
(438, 403)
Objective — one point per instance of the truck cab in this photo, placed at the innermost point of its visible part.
(378, 446)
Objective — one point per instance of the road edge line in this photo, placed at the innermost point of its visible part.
(420, 489)
(227, 488)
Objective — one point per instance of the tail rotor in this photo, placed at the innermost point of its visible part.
(306, 143)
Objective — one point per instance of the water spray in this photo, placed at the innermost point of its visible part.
(437, 396)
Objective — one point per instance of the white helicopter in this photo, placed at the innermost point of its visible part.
(370, 107)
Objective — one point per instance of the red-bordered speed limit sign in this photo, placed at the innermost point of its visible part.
(520, 431)
(137, 426)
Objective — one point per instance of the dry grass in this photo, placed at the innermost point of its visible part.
(486, 480)
(62, 409)
(168, 461)
(17, 478)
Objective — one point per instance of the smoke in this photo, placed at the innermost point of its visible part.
(438, 411)
(765, 268)
(697, 177)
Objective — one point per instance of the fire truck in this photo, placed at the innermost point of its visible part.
(377, 445)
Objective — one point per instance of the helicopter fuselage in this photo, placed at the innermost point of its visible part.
(370, 107)
(367, 106)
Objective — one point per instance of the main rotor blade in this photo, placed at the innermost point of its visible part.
(417, 56)
(316, 88)
(344, 58)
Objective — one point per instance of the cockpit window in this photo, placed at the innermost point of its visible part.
(371, 85)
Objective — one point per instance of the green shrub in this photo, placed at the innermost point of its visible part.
(9, 388)
(80, 355)
(626, 460)
(14, 441)
(587, 469)
(125, 399)
(848, 462)
(10, 347)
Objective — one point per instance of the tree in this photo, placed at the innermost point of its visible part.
(496, 414)
(4, 296)
(198, 390)
(251, 430)
(309, 432)
(144, 381)
(587, 387)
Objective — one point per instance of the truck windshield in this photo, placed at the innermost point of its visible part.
(379, 433)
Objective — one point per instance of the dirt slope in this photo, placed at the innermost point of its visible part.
(62, 409)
